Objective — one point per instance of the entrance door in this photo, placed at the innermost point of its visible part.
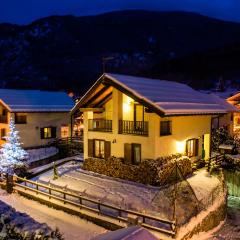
(206, 145)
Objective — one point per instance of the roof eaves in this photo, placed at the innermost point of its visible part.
(95, 85)
(5, 105)
(160, 111)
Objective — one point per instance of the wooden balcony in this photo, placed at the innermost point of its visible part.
(3, 119)
(100, 125)
(133, 127)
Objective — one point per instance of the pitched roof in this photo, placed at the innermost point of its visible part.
(129, 233)
(35, 101)
(171, 98)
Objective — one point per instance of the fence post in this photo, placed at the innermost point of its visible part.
(64, 197)
(37, 187)
(99, 206)
(9, 183)
(49, 191)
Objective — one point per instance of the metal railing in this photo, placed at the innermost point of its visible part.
(100, 125)
(3, 119)
(133, 127)
(122, 215)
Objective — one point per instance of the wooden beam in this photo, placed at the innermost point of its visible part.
(104, 100)
(91, 109)
(95, 96)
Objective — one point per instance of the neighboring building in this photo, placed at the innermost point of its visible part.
(138, 118)
(235, 101)
(40, 116)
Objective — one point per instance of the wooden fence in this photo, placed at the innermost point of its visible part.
(217, 160)
(96, 206)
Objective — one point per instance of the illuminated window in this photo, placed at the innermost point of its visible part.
(192, 147)
(64, 132)
(48, 132)
(165, 128)
(99, 148)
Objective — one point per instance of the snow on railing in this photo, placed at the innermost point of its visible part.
(148, 221)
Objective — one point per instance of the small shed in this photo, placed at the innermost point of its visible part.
(226, 149)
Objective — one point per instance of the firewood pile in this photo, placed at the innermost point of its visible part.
(152, 172)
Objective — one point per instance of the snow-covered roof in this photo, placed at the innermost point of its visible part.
(35, 101)
(171, 98)
(129, 233)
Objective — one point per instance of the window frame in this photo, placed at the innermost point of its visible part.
(5, 133)
(19, 118)
(52, 133)
(166, 133)
(99, 147)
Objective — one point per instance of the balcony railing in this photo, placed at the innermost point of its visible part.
(3, 119)
(100, 125)
(133, 127)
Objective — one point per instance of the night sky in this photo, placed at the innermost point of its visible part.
(25, 11)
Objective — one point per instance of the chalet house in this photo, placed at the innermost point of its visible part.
(137, 118)
(40, 116)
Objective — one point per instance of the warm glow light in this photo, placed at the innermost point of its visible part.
(126, 107)
(127, 104)
(180, 146)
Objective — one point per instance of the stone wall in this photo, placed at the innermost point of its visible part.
(205, 220)
(153, 172)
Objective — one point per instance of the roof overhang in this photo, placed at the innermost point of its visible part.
(106, 81)
(109, 81)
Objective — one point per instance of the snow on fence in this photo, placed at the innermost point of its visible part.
(41, 153)
(22, 185)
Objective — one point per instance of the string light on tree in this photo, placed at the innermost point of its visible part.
(12, 155)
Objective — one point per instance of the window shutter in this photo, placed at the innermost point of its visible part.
(42, 133)
(107, 149)
(53, 132)
(90, 147)
(196, 143)
(127, 153)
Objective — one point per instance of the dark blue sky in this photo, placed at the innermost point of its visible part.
(25, 11)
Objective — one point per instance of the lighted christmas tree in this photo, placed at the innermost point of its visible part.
(12, 155)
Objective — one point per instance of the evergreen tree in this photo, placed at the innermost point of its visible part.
(12, 155)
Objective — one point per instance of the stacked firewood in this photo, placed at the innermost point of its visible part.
(153, 172)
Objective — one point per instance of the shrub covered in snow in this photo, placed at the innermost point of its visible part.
(154, 172)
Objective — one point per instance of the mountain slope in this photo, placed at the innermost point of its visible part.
(65, 52)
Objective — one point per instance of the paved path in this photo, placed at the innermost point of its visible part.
(71, 226)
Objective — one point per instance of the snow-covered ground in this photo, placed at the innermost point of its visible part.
(34, 216)
(41, 153)
(135, 196)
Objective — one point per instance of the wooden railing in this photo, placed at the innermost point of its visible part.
(217, 160)
(133, 127)
(100, 125)
(148, 221)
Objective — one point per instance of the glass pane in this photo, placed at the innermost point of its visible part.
(102, 143)
(137, 154)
